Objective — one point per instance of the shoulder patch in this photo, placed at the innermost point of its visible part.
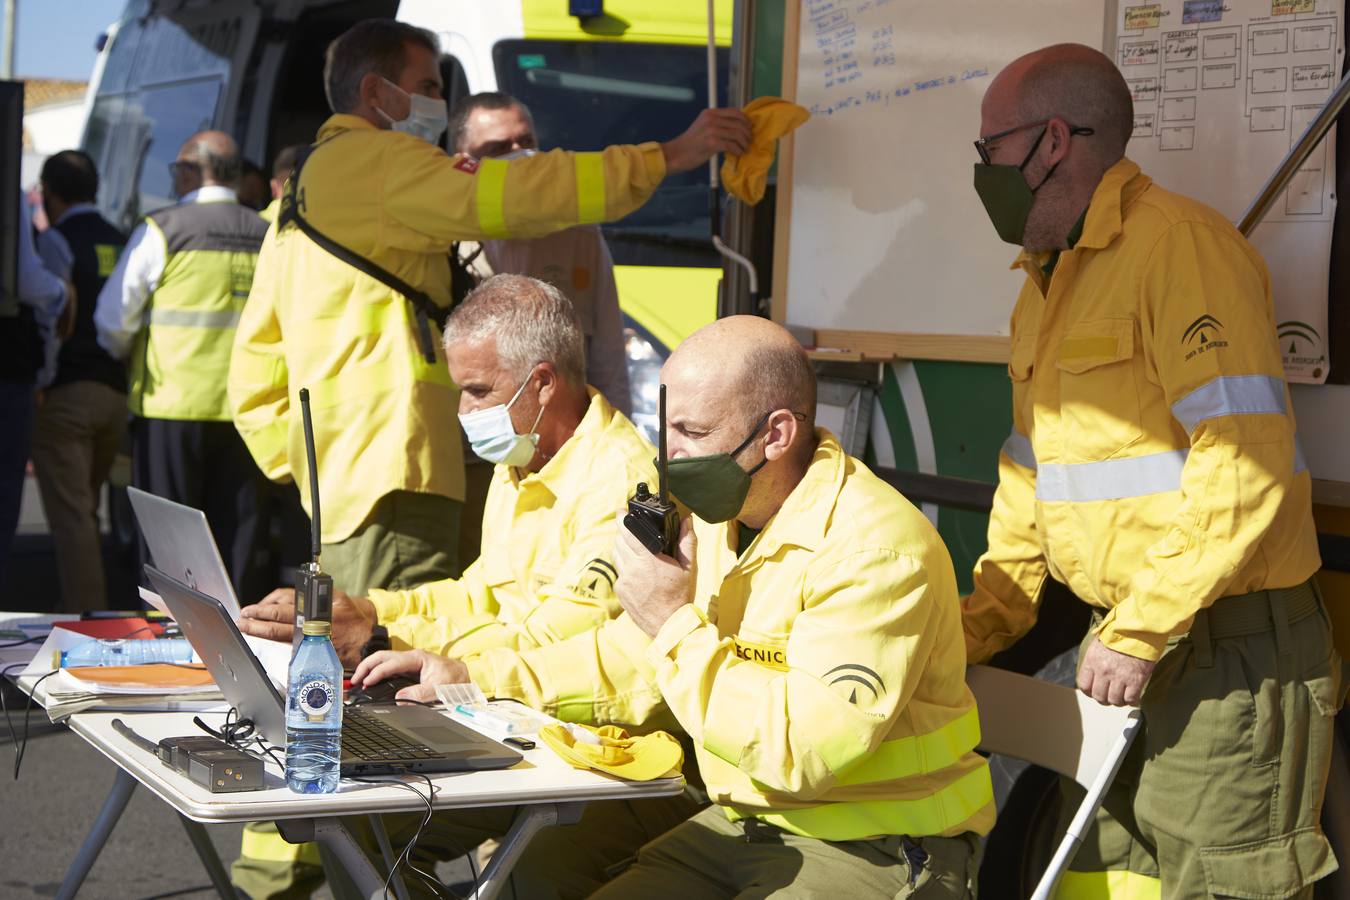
(467, 164)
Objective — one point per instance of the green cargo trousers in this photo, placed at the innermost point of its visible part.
(710, 856)
(1221, 794)
(560, 862)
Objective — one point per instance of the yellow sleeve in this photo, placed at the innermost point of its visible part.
(257, 380)
(452, 198)
(855, 654)
(1010, 574)
(580, 599)
(1226, 390)
(601, 676)
(433, 616)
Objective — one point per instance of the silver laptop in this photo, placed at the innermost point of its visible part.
(377, 738)
(182, 546)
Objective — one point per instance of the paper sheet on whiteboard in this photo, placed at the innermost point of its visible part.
(1222, 89)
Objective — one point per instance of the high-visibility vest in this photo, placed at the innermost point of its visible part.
(181, 359)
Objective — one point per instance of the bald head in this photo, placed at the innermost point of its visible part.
(743, 386)
(1072, 82)
(752, 361)
(214, 155)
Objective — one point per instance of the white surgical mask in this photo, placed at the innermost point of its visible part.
(494, 438)
(427, 118)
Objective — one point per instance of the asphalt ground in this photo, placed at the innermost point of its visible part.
(45, 814)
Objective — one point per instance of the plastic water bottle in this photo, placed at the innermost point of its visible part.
(314, 713)
(122, 652)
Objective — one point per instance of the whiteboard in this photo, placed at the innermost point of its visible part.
(1222, 89)
(886, 232)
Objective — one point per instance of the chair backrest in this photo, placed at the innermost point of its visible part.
(1051, 725)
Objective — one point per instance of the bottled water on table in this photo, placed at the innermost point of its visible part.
(314, 713)
(123, 652)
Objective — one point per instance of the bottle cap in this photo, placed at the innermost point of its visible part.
(318, 626)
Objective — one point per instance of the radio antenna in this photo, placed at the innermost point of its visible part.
(314, 530)
(661, 444)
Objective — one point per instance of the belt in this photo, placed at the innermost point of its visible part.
(1259, 612)
(1245, 614)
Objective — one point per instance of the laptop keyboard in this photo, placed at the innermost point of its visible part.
(367, 737)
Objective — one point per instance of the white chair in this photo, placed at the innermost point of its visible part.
(1060, 729)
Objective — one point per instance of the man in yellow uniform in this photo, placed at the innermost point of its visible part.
(806, 637)
(169, 310)
(345, 302)
(282, 166)
(565, 463)
(1153, 469)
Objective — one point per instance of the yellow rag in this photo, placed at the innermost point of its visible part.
(610, 749)
(770, 118)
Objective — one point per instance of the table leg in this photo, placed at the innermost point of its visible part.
(336, 839)
(382, 838)
(112, 809)
(206, 852)
(527, 824)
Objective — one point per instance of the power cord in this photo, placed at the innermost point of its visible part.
(404, 859)
(241, 734)
(20, 746)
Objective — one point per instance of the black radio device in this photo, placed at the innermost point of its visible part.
(313, 589)
(209, 762)
(653, 519)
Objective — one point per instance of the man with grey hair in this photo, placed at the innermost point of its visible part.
(1153, 469)
(565, 463)
(169, 310)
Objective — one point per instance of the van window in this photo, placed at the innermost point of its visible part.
(587, 95)
(162, 81)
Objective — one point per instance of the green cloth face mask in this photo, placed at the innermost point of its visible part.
(713, 487)
(1004, 191)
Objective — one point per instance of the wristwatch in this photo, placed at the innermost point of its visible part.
(379, 640)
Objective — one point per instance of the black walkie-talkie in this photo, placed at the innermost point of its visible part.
(313, 589)
(653, 519)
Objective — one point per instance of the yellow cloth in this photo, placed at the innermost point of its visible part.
(770, 118)
(821, 675)
(546, 570)
(1152, 465)
(610, 749)
(270, 211)
(385, 418)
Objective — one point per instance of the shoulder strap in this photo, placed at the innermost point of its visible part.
(423, 305)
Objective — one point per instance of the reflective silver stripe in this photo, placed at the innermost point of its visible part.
(1231, 395)
(1018, 448)
(187, 318)
(1118, 479)
(1111, 479)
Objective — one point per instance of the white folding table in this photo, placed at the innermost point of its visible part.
(547, 791)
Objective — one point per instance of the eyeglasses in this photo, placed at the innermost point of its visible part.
(182, 166)
(982, 144)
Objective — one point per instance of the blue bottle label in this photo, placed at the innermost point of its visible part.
(316, 698)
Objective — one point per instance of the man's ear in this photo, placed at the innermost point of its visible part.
(548, 382)
(782, 433)
(1056, 141)
(370, 94)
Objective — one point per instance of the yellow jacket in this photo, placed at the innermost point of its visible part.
(385, 418)
(821, 676)
(546, 570)
(1152, 466)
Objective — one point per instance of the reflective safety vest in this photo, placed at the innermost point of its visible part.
(181, 359)
(820, 674)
